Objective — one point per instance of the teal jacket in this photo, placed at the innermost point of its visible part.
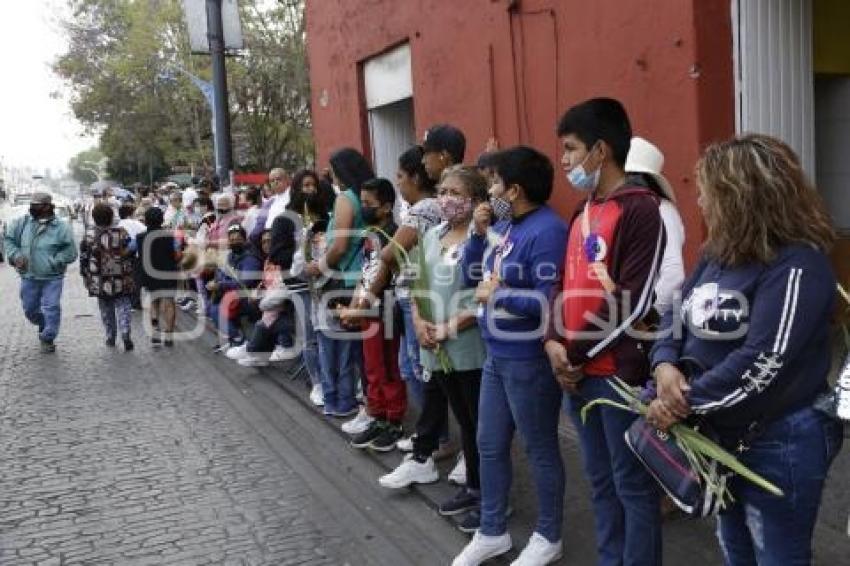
(48, 246)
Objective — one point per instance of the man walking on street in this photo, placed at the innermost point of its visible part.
(41, 247)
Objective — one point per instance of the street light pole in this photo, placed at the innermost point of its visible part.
(222, 113)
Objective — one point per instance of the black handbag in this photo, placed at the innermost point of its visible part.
(668, 463)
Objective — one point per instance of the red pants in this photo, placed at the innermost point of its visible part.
(386, 395)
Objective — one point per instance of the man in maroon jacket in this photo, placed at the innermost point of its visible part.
(614, 251)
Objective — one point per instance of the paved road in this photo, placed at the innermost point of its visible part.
(143, 458)
(177, 457)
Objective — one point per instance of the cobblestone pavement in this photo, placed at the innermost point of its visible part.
(109, 457)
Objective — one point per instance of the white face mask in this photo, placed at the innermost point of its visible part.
(581, 179)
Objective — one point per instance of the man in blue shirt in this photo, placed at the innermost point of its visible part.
(41, 247)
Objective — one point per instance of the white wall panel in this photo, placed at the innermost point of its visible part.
(388, 77)
(774, 72)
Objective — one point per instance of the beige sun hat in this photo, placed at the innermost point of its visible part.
(644, 157)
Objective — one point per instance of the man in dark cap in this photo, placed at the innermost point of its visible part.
(41, 247)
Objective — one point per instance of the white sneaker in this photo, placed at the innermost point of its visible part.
(539, 551)
(316, 396)
(253, 361)
(280, 354)
(481, 548)
(410, 471)
(405, 444)
(358, 424)
(458, 473)
(237, 352)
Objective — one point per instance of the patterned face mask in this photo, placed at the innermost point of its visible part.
(501, 208)
(455, 209)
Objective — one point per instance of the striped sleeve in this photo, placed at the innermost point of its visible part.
(791, 299)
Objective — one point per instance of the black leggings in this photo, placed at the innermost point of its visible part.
(461, 390)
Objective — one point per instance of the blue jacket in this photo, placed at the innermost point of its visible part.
(757, 330)
(247, 267)
(532, 258)
(48, 246)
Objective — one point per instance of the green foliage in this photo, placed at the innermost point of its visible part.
(119, 67)
(85, 166)
(702, 453)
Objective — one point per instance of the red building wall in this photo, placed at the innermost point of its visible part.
(510, 68)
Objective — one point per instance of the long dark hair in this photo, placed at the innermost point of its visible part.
(755, 198)
(351, 168)
(319, 204)
(411, 163)
(296, 189)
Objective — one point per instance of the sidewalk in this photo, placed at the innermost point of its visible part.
(685, 540)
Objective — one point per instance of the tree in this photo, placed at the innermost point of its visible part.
(271, 90)
(85, 166)
(119, 53)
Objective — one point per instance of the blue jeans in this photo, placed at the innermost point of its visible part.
(340, 360)
(42, 305)
(310, 354)
(520, 395)
(794, 453)
(626, 499)
(408, 356)
(109, 307)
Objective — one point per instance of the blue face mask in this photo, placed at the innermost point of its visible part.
(581, 179)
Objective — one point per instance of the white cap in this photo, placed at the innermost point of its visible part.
(189, 197)
(644, 157)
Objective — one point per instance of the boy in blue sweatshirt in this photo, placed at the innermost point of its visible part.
(516, 264)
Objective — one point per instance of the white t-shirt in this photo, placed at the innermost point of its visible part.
(671, 275)
(132, 226)
(422, 216)
(250, 220)
(277, 208)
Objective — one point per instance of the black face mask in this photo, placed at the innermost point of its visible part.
(38, 211)
(370, 215)
(237, 248)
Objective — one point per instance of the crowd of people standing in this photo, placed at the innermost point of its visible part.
(480, 300)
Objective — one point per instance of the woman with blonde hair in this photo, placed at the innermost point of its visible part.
(753, 352)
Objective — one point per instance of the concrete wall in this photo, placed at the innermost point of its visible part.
(510, 68)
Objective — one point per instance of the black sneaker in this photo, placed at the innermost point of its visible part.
(110, 341)
(128, 344)
(47, 347)
(471, 522)
(156, 341)
(462, 501)
(365, 438)
(385, 441)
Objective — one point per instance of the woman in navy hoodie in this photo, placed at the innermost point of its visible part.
(518, 390)
(750, 348)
